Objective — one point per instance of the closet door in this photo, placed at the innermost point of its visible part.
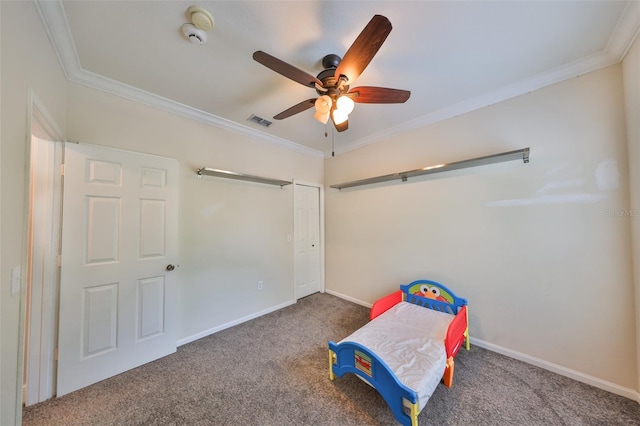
(119, 241)
(307, 245)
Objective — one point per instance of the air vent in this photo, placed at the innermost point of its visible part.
(261, 121)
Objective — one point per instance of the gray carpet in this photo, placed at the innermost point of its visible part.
(274, 371)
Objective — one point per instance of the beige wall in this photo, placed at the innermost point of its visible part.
(2, 373)
(534, 271)
(631, 71)
(232, 234)
(538, 249)
(28, 62)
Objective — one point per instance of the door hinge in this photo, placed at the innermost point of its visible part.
(55, 354)
(59, 260)
(61, 169)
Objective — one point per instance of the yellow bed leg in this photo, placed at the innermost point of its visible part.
(414, 414)
(332, 360)
(466, 339)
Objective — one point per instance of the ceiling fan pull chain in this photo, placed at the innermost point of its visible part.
(333, 143)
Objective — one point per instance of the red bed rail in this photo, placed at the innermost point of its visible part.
(381, 306)
(456, 333)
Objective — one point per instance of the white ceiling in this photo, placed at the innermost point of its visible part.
(453, 56)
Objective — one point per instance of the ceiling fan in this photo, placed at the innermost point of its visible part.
(336, 98)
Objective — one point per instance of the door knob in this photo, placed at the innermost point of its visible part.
(170, 267)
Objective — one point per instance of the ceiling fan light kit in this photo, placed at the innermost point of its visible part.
(322, 117)
(336, 100)
(323, 107)
(345, 104)
(339, 116)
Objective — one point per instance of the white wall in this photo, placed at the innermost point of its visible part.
(232, 234)
(2, 408)
(538, 249)
(27, 62)
(508, 260)
(631, 71)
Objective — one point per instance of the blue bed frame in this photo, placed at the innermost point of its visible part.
(351, 357)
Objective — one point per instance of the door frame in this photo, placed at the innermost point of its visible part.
(37, 338)
(296, 184)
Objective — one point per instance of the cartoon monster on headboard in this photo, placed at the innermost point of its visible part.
(431, 290)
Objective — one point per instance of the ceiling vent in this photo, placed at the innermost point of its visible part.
(261, 121)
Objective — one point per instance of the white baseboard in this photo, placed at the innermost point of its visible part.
(563, 371)
(246, 318)
(349, 298)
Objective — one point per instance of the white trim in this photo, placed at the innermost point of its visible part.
(626, 31)
(96, 81)
(41, 365)
(230, 324)
(43, 282)
(574, 69)
(46, 119)
(57, 27)
(350, 299)
(558, 369)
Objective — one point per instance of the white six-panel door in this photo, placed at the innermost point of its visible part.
(307, 245)
(119, 233)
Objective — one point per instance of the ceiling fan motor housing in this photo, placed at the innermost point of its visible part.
(331, 61)
(327, 76)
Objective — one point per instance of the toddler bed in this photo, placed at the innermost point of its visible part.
(407, 347)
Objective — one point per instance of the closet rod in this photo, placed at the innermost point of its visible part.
(241, 176)
(520, 154)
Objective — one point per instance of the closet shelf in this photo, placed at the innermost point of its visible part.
(520, 154)
(241, 176)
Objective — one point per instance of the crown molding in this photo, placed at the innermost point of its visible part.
(574, 69)
(114, 87)
(55, 22)
(626, 31)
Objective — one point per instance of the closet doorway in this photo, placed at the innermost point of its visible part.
(42, 280)
(309, 244)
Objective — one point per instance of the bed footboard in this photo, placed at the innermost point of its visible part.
(351, 357)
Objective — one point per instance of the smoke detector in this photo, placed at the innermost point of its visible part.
(194, 34)
(201, 18)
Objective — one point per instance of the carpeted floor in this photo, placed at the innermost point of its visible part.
(274, 371)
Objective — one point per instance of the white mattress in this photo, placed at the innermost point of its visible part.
(410, 340)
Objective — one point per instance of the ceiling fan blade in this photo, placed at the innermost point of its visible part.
(364, 48)
(302, 106)
(378, 95)
(286, 69)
